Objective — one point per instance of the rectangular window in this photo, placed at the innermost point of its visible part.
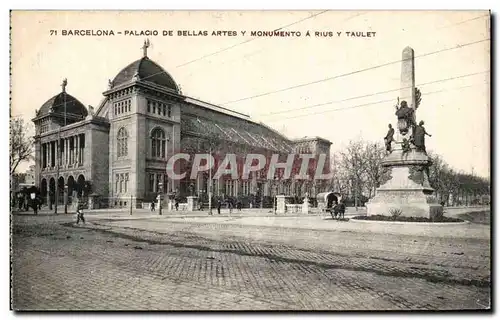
(154, 107)
(151, 182)
(117, 181)
(149, 106)
(153, 148)
(169, 111)
(164, 110)
(126, 182)
(121, 183)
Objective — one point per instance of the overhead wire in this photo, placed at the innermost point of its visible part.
(369, 95)
(371, 103)
(354, 72)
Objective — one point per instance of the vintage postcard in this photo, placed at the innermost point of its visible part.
(250, 160)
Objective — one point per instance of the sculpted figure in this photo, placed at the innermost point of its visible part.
(136, 76)
(405, 117)
(389, 138)
(91, 110)
(110, 84)
(419, 137)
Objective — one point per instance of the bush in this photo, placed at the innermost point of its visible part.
(395, 213)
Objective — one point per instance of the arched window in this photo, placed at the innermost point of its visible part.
(122, 142)
(158, 143)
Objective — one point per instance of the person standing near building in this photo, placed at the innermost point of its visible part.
(153, 204)
(219, 205)
(34, 202)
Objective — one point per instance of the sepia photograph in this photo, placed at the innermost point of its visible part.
(308, 160)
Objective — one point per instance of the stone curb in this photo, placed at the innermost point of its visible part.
(413, 223)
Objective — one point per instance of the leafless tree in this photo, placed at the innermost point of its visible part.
(354, 163)
(376, 174)
(21, 144)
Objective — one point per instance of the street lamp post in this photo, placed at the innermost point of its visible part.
(160, 196)
(210, 181)
(65, 198)
(58, 148)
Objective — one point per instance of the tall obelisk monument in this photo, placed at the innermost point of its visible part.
(408, 189)
(407, 90)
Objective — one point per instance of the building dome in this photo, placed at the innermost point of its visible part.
(147, 70)
(57, 102)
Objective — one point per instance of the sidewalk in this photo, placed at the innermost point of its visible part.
(449, 211)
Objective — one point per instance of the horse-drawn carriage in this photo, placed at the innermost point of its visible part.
(329, 202)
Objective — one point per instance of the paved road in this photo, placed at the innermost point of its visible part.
(116, 262)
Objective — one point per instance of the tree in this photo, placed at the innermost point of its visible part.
(21, 144)
(375, 173)
(354, 162)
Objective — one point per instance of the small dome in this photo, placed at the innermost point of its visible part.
(56, 103)
(147, 70)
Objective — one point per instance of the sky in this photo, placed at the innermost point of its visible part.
(340, 88)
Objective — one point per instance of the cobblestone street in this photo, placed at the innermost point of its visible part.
(223, 263)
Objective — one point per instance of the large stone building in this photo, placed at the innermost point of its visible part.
(120, 150)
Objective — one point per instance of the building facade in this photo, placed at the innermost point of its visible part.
(120, 150)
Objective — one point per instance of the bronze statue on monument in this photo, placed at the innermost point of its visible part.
(419, 137)
(405, 116)
(389, 137)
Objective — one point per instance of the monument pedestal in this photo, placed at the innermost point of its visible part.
(408, 191)
(192, 203)
(280, 204)
(305, 205)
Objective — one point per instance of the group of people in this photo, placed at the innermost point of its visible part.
(26, 200)
(152, 206)
(229, 203)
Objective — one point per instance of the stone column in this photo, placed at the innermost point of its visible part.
(66, 151)
(77, 149)
(44, 155)
(305, 205)
(280, 204)
(50, 154)
(72, 160)
(58, 151)
(191, 203)
(69, 150)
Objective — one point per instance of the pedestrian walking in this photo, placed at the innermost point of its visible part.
(20, 201)
(34, 202)
(176, 205)
(79, 212)
(153, 204)
(219, 205)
